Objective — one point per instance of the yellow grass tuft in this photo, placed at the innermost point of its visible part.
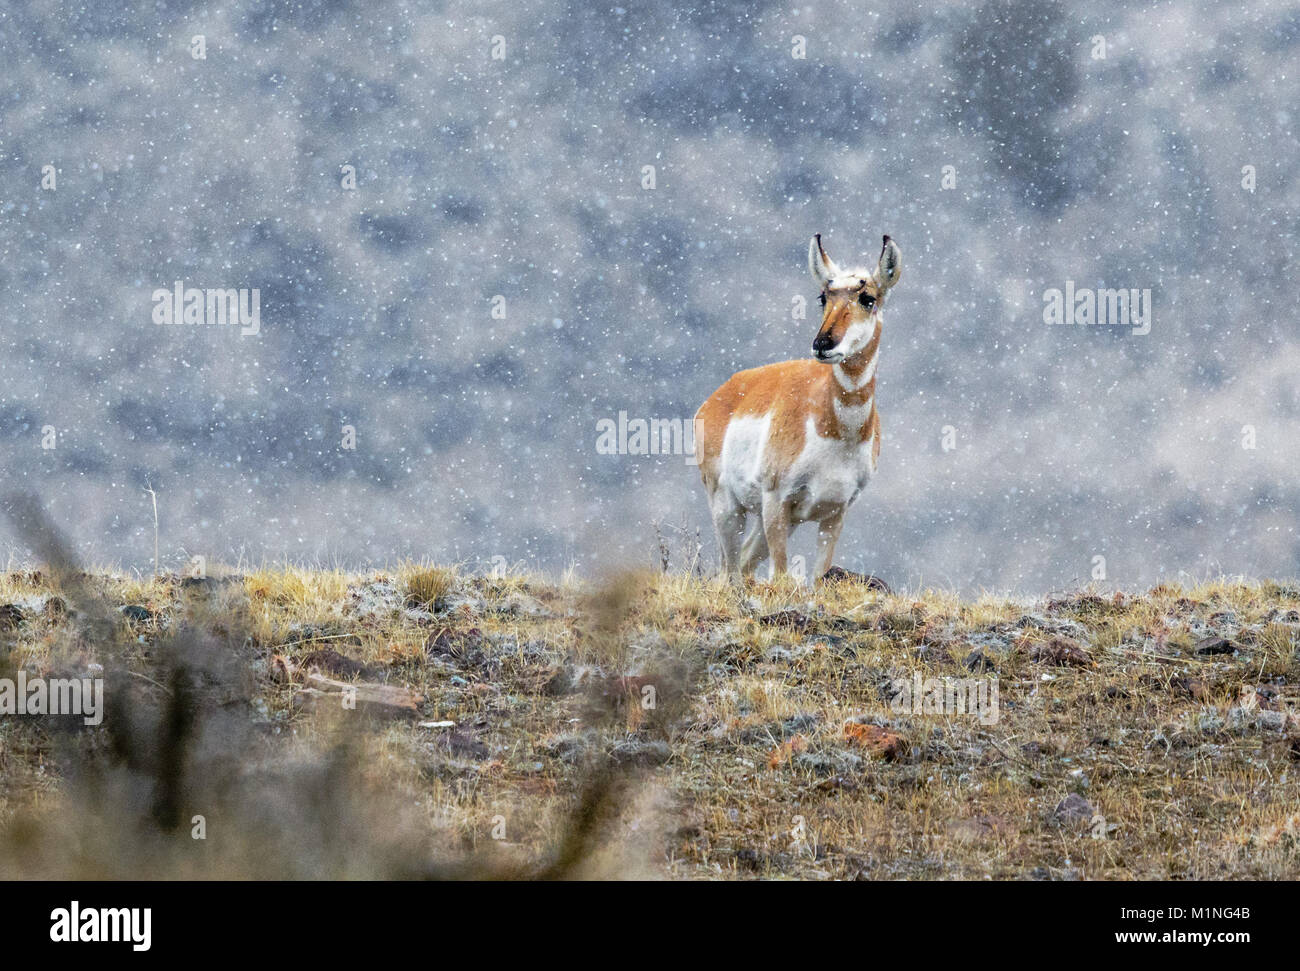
(426, 586)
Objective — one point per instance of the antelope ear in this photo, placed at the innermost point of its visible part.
(890, 267)
(821, 266)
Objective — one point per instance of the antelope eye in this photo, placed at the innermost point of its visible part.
(822, 299)
(867, 300)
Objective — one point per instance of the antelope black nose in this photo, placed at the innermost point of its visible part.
(822, 343)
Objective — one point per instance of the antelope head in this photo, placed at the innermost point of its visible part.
(851, 300)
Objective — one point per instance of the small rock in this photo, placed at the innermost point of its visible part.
(878, 742)
(1214, 645)
(570, 748)
(641, 753)
(1035, 621)
(934, 653)
(994, 640)
(568, 679)
(1062, 653)
(793, 619)
(837, 574)
(465, 746)
(450, 643)
(1073, 810)
(332, 662)
(979, 660)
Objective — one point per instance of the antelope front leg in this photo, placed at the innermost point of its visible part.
(776, 528)
(828, 534)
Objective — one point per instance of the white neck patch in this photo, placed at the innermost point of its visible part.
(853, 417)
(848, 382)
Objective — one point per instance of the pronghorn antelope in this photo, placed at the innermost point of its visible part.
(795, 442)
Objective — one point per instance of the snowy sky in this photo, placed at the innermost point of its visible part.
(460, 256)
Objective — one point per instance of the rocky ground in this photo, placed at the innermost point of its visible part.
(421, 722)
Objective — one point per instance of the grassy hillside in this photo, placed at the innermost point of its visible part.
(655, 726)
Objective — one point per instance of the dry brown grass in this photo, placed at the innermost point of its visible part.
(693, 730)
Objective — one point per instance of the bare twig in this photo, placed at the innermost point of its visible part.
(154, 496)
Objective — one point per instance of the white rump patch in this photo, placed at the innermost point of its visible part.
(741, 466)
